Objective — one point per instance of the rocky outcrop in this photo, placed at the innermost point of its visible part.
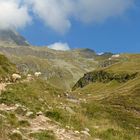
(104, 77)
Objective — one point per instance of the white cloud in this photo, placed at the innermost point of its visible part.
(13, 14)
(59, 46)
(100, 10)
(57, 14)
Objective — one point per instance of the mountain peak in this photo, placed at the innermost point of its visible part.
(12, 37)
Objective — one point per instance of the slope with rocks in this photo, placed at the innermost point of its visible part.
(12, 37)
(113, 106)
(55, 66)
(100, 110)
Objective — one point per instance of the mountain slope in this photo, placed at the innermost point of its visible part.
(55, 66)
(114, 106)
(100, 110)
(12, 37)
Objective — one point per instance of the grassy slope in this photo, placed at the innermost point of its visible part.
(113, 106)
(66, 67)
(111, 110)
(6, 67)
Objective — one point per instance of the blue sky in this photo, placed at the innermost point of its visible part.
(104, 26)
(115, 35)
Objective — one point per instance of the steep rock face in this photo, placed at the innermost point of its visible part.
(104, 77)
(12, 37)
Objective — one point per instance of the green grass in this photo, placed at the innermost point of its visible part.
(35, 95)
(16, 136)
(6, 67)
(114, 107)
(43, 135)
(111, 112)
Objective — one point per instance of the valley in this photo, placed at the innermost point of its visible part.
(77, 95)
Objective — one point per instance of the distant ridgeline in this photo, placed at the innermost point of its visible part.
(104, 77)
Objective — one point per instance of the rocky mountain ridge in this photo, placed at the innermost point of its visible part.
(55, 66)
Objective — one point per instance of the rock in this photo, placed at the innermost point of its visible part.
(96, 127)
(17, 105)
(85, 133)
(39, 113)
(86, 129)
(137, 128)
(68, 127)
(28, 114)
(58, 96)
(41, 100)
(16, 132)
(83, 100)
(2, 116)
(69, 110)
(73, 101)
(61, 103)
(50, 107)
(76, 132)
(30, 77)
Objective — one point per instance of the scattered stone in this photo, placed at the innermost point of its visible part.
(86, 129)
(17, 132)
(96, 127)
(2, 116)
(41, 100)
(39, 113)
(83, 100)
(69, 110)
(50, 107)
(76, 132)
(58, 96)
(30, 77)
(61, 103)
(137, 128)
(17, 105)
(28, 114)
(73, 101)
(68, 127)
(85, 133)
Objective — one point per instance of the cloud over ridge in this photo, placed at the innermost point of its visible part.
(59, 46)
(57, 14)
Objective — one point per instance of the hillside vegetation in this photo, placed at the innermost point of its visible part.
(105, 105)
(114, 105)
(6, 67)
